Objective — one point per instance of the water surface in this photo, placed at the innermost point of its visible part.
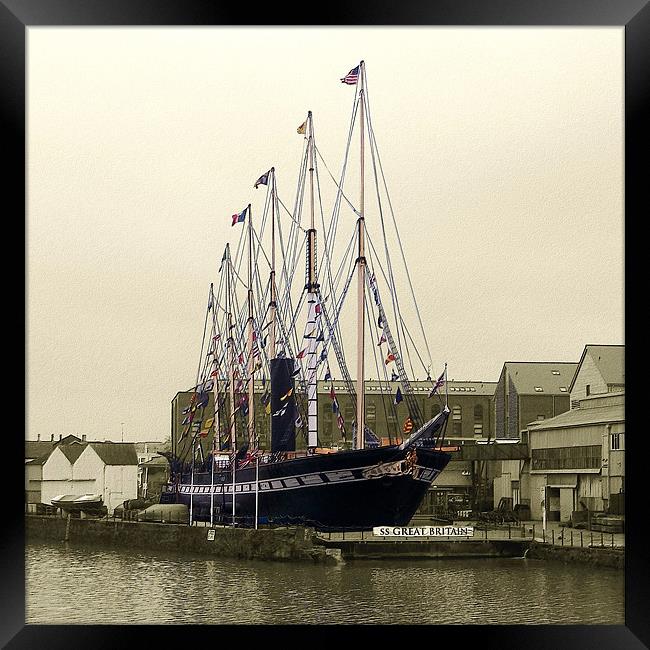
(68, 584)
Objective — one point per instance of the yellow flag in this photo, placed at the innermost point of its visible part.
(208, 423)
(303, 127)
(268, 408)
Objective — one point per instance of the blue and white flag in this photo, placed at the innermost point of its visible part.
(262, 180)
(439, 383)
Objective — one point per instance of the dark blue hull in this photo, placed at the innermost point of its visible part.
(346, 490)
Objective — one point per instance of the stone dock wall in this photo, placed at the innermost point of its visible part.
(425, 549)
(596, 556)
(295, 544)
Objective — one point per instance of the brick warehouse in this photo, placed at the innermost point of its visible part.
(470, 402)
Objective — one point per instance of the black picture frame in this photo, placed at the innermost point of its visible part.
(17, 15)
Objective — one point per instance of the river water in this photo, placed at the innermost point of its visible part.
(68, 584)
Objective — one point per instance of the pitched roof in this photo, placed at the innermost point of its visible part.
(116, 453)
(37, 448)
(578, 417)
(39, 461)
(549, 376)
(156, 461)
(609, 360)
(73, 450)
(68, 439)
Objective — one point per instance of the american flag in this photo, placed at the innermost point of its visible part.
(351, 77)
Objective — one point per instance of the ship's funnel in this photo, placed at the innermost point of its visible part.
(283, 406)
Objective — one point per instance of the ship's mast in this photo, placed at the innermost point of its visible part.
(361, 284)
(215, 374)
(251, 367)
(273, 303)
(312, 300)
(231, 352)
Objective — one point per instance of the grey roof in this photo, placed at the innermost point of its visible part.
(68, 439)
(610, 361)
(156, 461)
(116, 453)
(526, 375)
(37, 448)
(73, 450)
(581, 417)
(40, 460)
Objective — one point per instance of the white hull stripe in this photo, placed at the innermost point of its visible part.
(420, 473)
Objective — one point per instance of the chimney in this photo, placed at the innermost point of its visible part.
(38, 437)
(83, 437)
(52, 438)
(60, 436)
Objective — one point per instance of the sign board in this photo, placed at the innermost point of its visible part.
(211, 534)
(423, 531)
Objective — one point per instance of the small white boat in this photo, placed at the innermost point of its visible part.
(76, 502)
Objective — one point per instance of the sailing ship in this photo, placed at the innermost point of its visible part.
(366, 479)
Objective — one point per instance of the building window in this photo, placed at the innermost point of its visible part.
(588, 390)
(572, 458)
(555, 372)
(371, 412)
(563, 389)
(541, 417)
(539, 389)
(616, 441)
(456, 416)
(478, 420)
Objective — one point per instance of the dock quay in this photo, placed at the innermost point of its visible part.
(365, 546)
(302, 544)
(276, 544)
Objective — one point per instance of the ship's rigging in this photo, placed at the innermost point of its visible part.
(299, 316)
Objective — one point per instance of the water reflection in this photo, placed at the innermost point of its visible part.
(71, 584)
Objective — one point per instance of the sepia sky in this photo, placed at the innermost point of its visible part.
(502, 150)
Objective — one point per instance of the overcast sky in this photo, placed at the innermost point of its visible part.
(502, 149)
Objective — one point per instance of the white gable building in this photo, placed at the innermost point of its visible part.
(113, 468)
(109, 469)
